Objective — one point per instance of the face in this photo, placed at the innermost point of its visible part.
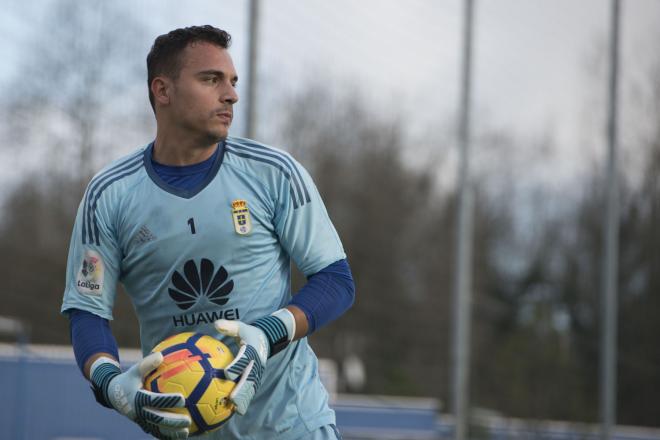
(200, 100)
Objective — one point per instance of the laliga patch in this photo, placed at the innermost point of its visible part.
(90, 275)
(241, 215)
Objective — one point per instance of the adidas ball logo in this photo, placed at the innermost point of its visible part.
(195, 283)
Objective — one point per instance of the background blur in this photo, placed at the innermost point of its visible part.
(365, 94)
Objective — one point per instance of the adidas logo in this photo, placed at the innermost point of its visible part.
(144, 235)
(186, 289)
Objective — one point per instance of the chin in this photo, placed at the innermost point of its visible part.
(220, 133)
(217, 135)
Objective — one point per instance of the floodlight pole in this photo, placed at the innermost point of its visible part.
(253, 29)
(463, 271)
(610, 244)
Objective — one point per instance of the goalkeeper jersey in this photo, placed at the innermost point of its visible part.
(223, 250)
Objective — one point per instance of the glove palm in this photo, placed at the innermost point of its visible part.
(124, 393)
(250, 361)
(264, 338)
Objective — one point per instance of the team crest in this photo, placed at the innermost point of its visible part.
(241, 215)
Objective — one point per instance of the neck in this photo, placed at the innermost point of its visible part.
(179, 150)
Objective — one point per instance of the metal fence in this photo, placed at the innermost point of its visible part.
(45, 397)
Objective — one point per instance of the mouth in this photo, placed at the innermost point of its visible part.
(225, 116)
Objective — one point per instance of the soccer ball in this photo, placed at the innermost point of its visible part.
(191, 364)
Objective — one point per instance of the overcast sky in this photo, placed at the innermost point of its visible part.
(531, 56)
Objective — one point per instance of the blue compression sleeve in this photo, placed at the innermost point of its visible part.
(327, 295)
(90, 334)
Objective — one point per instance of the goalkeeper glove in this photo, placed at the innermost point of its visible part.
(258, 341)
(123, 392)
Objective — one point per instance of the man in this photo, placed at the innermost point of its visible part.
(200, 227)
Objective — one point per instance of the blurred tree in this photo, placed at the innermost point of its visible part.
(68, 109)
(34, 260)
(535, 335)
(75, 83)
(639, 283)
(533, 346)
(397, 228)
(537, 355)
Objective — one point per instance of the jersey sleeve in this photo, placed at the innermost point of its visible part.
(303, 225)
(93, 264)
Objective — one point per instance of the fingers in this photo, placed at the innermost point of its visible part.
(241, 383)
(244, 390)
(163, 432)
(150, 363)
(163, 424)
(240, 361)
(168, 434)
(248, 364)
(145, 398)
(227, 327)
(246, 334)
(173, 435)
(165, 419)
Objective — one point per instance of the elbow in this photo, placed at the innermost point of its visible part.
(348, 284)
(350, 293)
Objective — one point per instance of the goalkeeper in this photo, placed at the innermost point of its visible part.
(200, 228)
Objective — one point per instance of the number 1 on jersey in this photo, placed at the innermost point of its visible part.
(191, 222)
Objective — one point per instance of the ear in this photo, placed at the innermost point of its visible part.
(161, 88)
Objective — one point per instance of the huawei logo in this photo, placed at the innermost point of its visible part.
(186, 289)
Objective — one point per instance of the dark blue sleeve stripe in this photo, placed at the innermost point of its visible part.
(90, 334)
(93, 187)
(297, 181)
(327, 295)
(98, 195)
(263, 150)
(260, 159)
(92, 209)
(95, 182)
(116, 167)
(288, 159)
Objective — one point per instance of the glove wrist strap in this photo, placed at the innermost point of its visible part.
(102, 371)
(280, 327)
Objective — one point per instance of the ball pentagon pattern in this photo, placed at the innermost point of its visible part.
(192, 365)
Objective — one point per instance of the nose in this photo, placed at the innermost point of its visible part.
(230, 95)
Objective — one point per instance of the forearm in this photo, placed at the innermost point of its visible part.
(91, 339)
(97, 357)
(326, 296)
(88, 364)
(302, 325)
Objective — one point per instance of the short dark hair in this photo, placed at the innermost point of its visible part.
(164, 56)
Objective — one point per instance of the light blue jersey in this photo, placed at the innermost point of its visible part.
(187, 258)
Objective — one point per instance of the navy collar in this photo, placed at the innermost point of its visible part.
(184, 193)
